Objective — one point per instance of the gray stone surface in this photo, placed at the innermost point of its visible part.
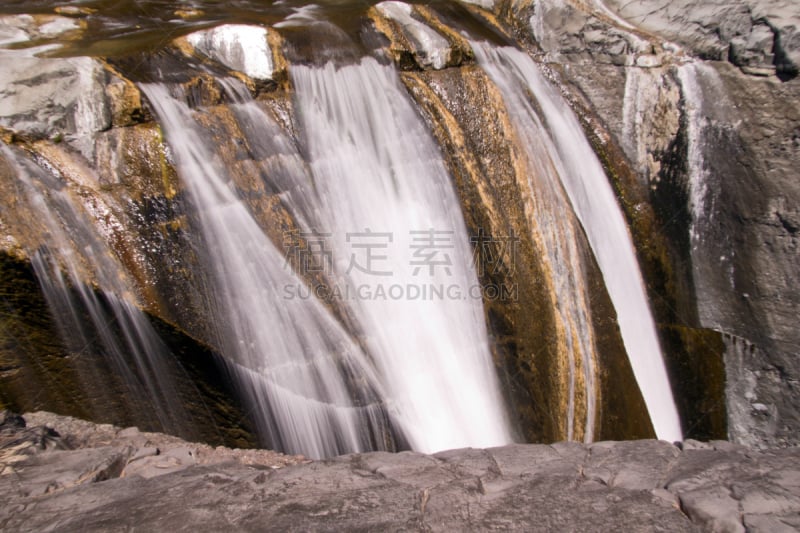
(759, 36)
(629, 486)
(569, 32)
(745, 245)
(51, 98)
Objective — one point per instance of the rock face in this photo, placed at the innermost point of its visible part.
(715, 160)
(761, 37)
(55, 98)
(128, 170)
(414, 42)
(72, 475)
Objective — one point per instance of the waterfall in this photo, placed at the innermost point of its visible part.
(711, 144)
(292, 358)
(106, 319)
(377, 198)
(376, 168)
(558, 232)
(595, 205)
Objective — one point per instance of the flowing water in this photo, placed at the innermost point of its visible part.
(563, 142)
(292, 357)
(376, 168)
(105, 320)
(708, 128)
(559, 234)
(379, 201)
(698, 83)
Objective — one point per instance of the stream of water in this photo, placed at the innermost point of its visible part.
(560, 140)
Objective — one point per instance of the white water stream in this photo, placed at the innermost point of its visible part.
(595, 205)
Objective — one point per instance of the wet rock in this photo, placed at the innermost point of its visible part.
(189, 14)
(16, 29)
(10, 421)
(485, 4)
(483, 153)
(430, 49)
(744, 257)
(125, 102)
(134, 157)
(417, 40)
(74, 11)
(734, 271)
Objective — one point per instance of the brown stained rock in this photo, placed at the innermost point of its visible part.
(125, 102)
(407, 50)
(494, 205)
(491, 178)
(741, 280)
(256, 175)
(135, 159)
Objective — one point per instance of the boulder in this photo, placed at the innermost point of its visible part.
(417, 40)
(430, 48)
(240, 47)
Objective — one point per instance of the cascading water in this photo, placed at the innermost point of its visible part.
(395, 350)
(105, 320)
(702, 112)
(376, 168)
(377, 187)
(291, 356)
(595, 205)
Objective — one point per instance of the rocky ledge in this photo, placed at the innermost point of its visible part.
(60, 473)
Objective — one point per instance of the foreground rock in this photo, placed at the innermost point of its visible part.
(74, 475)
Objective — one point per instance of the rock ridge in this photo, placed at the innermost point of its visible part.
(66, 474)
